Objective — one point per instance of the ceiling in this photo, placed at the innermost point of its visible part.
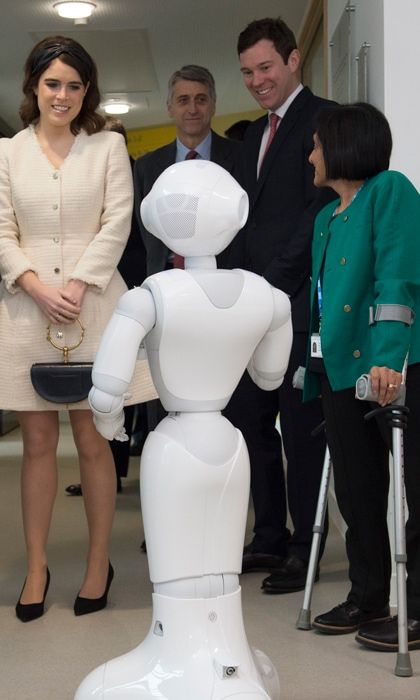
(137, 44)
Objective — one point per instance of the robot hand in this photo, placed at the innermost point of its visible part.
(111, 429)
(108, 414)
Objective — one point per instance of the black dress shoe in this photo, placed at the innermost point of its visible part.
(259, 561)
(290, 577)
(31, 611)
(347, 617)
(84, 606)
(74, 490)
(383, 636)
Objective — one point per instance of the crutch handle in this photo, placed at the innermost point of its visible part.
(396, 415)
(364, 390)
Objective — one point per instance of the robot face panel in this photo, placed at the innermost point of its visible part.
(178, 215)
(195, 207)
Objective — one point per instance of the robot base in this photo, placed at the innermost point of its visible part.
(195, 650)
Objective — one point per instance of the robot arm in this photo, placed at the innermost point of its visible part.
(268, 364)
(116, 358)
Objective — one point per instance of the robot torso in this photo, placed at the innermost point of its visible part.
(208, 324)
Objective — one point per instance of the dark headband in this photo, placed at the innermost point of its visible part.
(48, 54)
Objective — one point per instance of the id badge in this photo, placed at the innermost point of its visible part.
(316, 345)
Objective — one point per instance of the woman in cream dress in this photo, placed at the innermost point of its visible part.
(65, 213)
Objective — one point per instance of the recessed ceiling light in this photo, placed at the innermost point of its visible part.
(116, 107)
(74, 10)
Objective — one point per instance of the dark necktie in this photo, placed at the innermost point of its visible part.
(178, 259)
(274, 121)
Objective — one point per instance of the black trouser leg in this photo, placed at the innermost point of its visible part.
(304, 453)
(361, 477)
(121, 450)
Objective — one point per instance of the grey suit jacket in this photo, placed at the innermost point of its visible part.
(147, 169)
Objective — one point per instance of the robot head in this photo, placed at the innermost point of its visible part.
(195, 207)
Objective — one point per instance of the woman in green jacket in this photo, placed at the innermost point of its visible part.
(365, 297)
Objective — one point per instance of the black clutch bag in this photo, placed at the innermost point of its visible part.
(63, 382)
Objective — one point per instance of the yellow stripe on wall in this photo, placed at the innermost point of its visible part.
(143, 140)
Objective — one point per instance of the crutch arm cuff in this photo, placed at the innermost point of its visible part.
(391, 312)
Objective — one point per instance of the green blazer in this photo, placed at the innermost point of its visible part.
(368, 254)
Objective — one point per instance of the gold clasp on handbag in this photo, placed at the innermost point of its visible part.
(66, 348)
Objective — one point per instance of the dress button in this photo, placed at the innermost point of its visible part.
(322, 234)
(56, 270)
(343, 261)
(55, 206)
(356, 353)
(55, 176)
(345, 218)
(347, 308)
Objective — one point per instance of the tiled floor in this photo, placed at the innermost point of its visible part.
(46, 659)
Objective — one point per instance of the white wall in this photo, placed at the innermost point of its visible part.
(401, 83)
(391, 28)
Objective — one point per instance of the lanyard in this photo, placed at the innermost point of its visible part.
(319, 293)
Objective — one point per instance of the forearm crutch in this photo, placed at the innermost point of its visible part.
(396, 416)
(304, 619)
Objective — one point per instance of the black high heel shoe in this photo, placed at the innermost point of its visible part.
(84, 606)
(31, 611)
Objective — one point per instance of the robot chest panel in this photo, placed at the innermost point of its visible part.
(199, 350)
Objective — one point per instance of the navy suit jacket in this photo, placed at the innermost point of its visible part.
(276, 240)
(147, 169)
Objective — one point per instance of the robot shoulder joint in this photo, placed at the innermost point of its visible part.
(138, 304)
(281, 308)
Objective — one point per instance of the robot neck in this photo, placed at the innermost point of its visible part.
(201, 262)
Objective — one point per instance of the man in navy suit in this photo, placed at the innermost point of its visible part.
(276, 243)
(191, 105)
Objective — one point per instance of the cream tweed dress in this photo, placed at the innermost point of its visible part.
(66, 223)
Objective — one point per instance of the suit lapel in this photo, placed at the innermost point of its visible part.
(167, 158)
(217, 155)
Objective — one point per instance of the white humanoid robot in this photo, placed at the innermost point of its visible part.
(201, 328)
